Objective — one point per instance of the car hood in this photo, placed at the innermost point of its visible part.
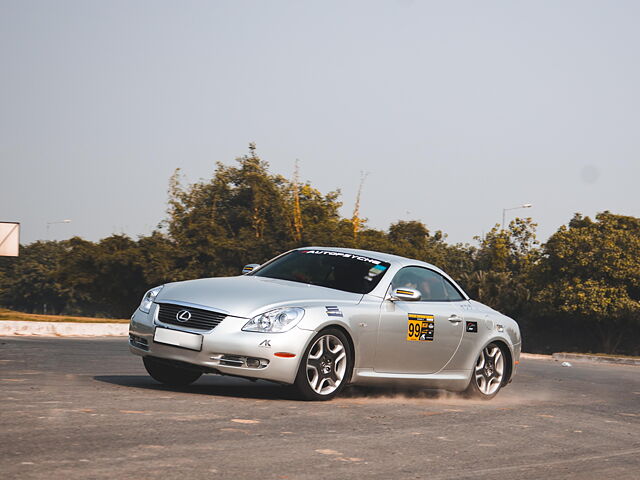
(247, 296)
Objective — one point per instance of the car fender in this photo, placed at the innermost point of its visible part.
(471, 346)
(504, 340)
(318, 320)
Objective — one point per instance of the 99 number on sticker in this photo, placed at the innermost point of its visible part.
(420, 328)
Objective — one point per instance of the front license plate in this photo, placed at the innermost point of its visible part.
(420, 328)
(192, 341)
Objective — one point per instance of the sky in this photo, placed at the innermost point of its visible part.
(456, 109)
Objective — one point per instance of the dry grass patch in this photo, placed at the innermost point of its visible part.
(12, 315)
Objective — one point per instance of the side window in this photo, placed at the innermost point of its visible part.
(432, 286)
(452, 293)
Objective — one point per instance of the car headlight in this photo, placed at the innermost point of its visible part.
(275, 321)
(149, 297)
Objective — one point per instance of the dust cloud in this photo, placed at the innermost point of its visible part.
(385, 395)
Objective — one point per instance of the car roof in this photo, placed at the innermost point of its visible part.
(385, 257)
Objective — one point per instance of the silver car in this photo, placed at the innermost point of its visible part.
(321, 318)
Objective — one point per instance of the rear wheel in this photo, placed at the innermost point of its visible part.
(488, 374)
(169, 374)
(325, 367)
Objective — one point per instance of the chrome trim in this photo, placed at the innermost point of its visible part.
(240, 361)
(234, 362)
(195, 305)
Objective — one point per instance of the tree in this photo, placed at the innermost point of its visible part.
(245, 214)
(322, 224)
(591, 269)
(105, 278)
(511, 250)
(237, 217)
(503, 291)
(30, 282)
(503, 261)
(408, 238)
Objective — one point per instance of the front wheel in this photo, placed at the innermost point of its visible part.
(171, 375)
(325, 367)
(488, 373)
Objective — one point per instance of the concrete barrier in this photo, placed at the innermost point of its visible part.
(536, 356)
(63, 329)
(581, 357)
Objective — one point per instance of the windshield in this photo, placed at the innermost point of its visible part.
(342, 271)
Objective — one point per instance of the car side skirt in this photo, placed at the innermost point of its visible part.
(449, 380)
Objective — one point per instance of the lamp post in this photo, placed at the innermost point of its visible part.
(504, 212)
(53, 223)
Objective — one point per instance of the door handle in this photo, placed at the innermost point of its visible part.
(455, 318)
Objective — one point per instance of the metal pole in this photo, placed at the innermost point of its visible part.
(504, 211)
(52, 223)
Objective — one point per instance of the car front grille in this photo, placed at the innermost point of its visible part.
(198, 318)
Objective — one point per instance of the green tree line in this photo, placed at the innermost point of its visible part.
(579, 291)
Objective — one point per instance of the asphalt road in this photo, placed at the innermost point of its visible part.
(80, 409)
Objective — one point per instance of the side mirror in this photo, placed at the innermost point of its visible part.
(405, 294)
(250, 268)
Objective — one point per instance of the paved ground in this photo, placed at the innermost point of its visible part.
(78, 409)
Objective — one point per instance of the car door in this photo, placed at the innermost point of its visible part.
(420, 337)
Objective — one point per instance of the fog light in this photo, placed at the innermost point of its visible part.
(139, 342)
(253, 362)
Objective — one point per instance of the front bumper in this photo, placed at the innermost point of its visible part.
(225, 348)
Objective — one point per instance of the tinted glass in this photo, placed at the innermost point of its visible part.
(342, 271)
(452, 292)
(432, 286)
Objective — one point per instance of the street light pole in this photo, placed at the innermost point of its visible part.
(504, 212)
(53, 223)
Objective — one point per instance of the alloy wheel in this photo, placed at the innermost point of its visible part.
(489, 371)
(326, 364)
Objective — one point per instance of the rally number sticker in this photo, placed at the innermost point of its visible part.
(420, 328)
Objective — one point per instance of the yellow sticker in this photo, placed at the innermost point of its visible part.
(420, 327)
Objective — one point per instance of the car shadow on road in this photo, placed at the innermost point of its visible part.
(208, 385)
(358, 391)
(226, 386)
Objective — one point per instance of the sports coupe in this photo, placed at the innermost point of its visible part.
(321, 318)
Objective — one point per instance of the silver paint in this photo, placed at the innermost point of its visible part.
(375, 324)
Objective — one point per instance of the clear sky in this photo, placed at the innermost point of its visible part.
(458, 109)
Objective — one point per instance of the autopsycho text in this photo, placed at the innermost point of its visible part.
(342, 254)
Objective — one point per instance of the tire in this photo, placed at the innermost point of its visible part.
(168, 374)
(326, 366)
(488, 374)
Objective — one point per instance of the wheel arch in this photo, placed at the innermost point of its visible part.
(352, 348)
(509, 363)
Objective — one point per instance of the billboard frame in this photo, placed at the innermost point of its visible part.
(2, 240)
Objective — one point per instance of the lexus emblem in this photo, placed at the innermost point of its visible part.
(183, 316)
